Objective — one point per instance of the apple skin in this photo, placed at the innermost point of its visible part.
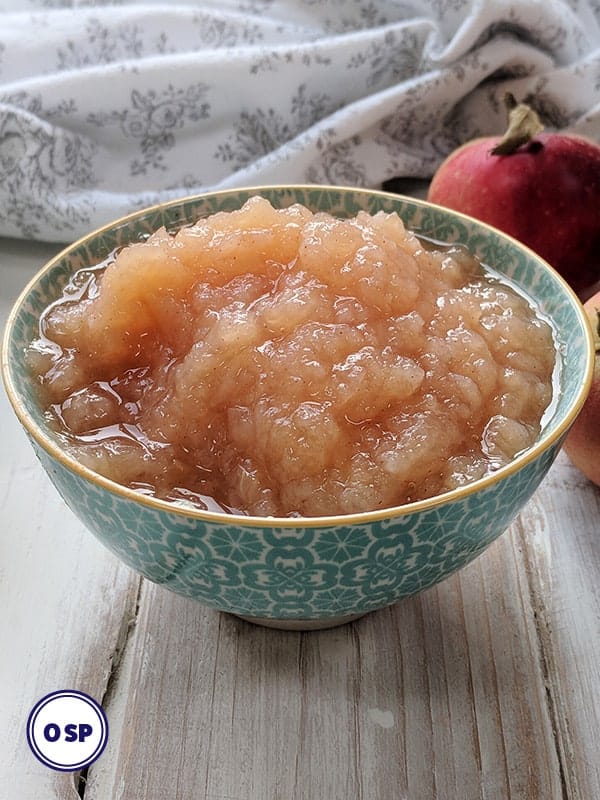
(582, 444)
(546, 194)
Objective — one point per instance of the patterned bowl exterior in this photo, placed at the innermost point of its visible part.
(313, 568)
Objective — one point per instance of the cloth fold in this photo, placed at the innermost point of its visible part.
(107, 107)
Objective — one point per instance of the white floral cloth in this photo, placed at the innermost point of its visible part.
(109, 106)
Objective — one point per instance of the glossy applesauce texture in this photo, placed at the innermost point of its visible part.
(280, 362)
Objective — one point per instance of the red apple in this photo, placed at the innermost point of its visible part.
(582, 444)
(541, 188)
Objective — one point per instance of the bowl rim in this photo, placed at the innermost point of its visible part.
(52, 447)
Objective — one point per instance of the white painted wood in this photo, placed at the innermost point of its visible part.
(562, 553)
(484, 688)
(64, 600)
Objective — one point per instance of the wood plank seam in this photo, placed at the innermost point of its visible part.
(553, 691)
(126, 630)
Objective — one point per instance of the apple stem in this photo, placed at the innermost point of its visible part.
(523, 124)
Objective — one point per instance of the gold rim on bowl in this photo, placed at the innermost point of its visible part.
(364, 517)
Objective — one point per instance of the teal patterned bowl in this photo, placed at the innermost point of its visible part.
(310, 572)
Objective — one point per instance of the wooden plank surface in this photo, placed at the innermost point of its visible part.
(64, 599)
(484, 688)
(561, 549)
(441, 696)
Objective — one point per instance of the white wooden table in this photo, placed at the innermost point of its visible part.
(484, 688)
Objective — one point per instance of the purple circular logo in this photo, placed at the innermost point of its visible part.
(67, 730)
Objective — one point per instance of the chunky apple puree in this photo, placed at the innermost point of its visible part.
(280, 362)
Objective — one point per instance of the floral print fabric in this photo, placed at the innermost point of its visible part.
(106, 107)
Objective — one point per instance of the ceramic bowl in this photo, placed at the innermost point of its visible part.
(309, 572)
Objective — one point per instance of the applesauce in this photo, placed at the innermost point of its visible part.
(290, 363)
